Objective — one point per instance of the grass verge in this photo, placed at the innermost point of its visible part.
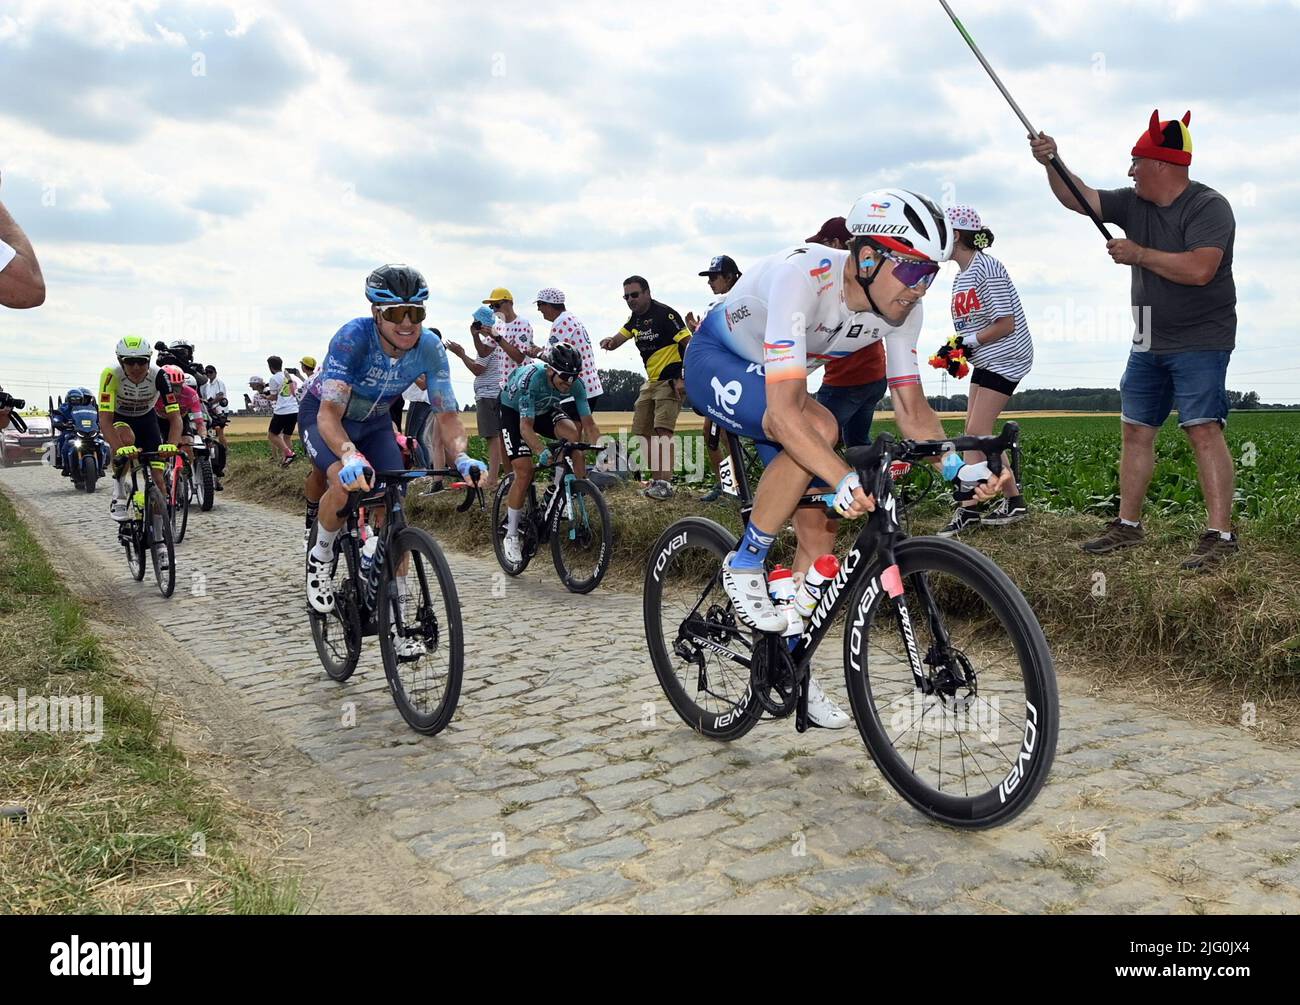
(1133, 617)
(120, 825)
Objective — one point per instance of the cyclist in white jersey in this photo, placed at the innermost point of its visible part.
(748, 364)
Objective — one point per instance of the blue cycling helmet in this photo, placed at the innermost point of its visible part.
(396, 284)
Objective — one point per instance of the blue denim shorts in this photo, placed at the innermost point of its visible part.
(1194, 382)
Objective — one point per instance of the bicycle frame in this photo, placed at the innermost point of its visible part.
(870, 558)
(542, 518)
(354, 514)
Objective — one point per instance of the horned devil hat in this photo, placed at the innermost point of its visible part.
(1166, 141)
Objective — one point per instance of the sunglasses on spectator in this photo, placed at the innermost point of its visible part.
(398, 313)
(631, 296)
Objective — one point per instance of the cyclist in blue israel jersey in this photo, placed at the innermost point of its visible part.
(532, 407)
(345, 425)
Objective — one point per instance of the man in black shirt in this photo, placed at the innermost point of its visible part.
(1179, 247)
(659, 331)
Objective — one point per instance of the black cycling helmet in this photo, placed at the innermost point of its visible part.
(396, 284)
(565, 360)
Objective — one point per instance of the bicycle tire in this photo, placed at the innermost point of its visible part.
(976, 577)
(345, 619)
(159, 529)
(136, 549)
(207, 486)
(434, 624)
(584, 497)
(89, 473)
(181, 520)
(499, 523)
(732, 719)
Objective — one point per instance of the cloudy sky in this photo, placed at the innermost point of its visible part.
(230, 172)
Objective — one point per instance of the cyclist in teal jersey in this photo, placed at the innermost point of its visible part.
(531, 407)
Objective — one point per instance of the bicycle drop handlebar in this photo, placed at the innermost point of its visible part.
(873, 462)
(562, 448)
(377, 494)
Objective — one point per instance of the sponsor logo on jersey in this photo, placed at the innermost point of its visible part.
(823, 275)
(736, 316)
(727, 394)
(965, 302)
(780, 349)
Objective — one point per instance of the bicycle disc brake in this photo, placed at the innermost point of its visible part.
(950, 672)
(722, 630)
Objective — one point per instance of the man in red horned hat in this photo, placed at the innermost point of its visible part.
(1179, 248)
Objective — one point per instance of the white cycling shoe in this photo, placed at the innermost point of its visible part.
(513, 546)
(747, 591)
(822, 711)
(320, 587)
(120, 510)
(407, 648)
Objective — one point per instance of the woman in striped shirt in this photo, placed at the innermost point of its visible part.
(989, 320)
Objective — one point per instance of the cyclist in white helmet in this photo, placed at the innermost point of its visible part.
(748, 364)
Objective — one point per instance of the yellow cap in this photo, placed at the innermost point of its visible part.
(308, 361)
(500, 293)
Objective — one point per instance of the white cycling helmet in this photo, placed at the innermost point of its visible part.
(901, 221)
(134, 347)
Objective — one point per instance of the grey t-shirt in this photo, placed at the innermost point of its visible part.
(1182, 317)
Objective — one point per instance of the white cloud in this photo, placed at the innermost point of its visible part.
(577, 145)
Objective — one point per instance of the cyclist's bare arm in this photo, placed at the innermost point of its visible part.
(175, 427)
(530, 436)
(110, 432)
(785, 423)
(918, 421)
(21, 283)
(334, 398)
(452, 430)
(590, 431)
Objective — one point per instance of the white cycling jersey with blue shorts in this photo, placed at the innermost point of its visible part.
(785, 318)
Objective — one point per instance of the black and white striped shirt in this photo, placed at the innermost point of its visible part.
(981, 294)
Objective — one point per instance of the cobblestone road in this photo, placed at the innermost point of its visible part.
(549, 791)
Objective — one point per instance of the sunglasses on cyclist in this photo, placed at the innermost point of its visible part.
(398, 313)
(910, 272)
(135, 361)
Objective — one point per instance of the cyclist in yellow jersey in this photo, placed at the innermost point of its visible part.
(127, 395)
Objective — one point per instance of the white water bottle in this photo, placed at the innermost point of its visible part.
(822, 572)
(368, 549)
(780, 584)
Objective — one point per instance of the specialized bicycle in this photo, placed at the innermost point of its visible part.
(948, 673)
(148, 531)
(572, 514)
(405, 594)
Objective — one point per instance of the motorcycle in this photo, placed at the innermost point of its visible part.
(84, 452)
